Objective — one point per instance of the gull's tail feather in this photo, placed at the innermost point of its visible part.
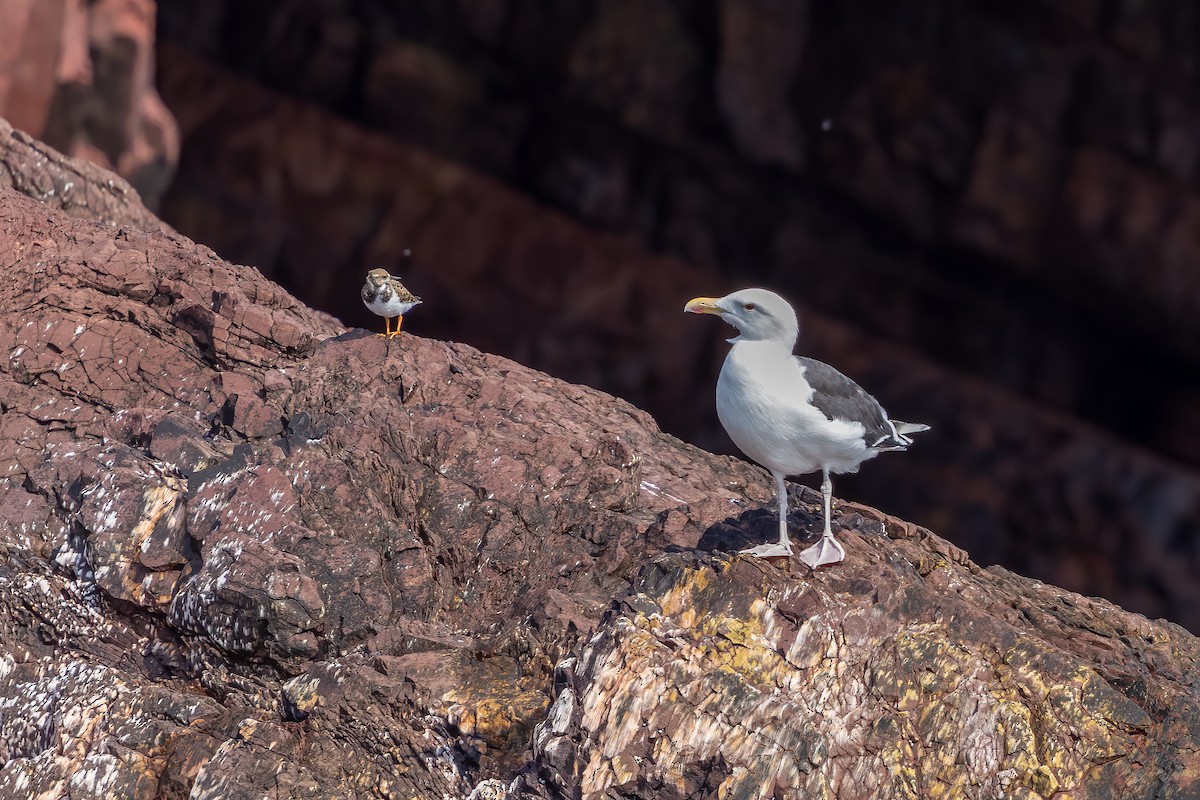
(903, 429)
(898, 439)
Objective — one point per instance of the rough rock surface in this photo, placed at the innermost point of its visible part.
(910, 673)
(246, 553)
(79, 74)
(77, 187)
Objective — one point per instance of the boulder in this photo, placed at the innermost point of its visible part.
(246, 552)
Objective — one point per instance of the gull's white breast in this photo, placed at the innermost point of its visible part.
(763, 402)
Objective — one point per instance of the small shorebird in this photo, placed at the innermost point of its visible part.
(387, 297)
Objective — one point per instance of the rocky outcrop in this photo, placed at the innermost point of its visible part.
(79, 74)
(77, 187)
(912, 673)
(233, 537)
(246, 552)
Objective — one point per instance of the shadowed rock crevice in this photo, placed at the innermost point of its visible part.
(277, 559)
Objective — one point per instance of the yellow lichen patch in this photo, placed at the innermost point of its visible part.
(123, 561)
(247, 727)
(303, 692)
(718, 668)
(737, 645)
(680, 600)
(1080, 720)
(739, 649)
(816, 693)
(900, 767)
(495, 718)
(624, 768)
(491, 702)
(1028, 721)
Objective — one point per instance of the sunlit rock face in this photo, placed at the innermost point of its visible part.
(909, 673)
(266, 553)
(247, 552)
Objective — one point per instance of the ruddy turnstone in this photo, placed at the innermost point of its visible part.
(792, 414)
(387, 297)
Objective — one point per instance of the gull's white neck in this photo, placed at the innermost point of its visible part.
(763, 365)
(763, 348)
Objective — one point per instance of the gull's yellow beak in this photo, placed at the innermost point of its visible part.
(704, 305)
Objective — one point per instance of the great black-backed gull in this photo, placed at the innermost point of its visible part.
(386, 296)
(792, 414)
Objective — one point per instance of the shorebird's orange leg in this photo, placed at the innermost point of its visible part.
(387, 328)
(399, 322)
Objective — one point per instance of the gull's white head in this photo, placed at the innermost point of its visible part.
(758, 314)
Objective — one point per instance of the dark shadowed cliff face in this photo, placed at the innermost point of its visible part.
(984, 212)
(247, 553)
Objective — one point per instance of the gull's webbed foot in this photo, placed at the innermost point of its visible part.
(827, 551)
(772, 550)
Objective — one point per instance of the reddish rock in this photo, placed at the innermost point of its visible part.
(635, 60)
(762, 43)
(1148, 222)
(245, 552)
(909, 673)
(79, 188)
(1011, 188)
(30, 43)
(80, 75)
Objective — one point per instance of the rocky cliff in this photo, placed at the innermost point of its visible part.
(245, 553)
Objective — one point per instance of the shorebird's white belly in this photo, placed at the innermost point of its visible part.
(763, 403)
(393, 307)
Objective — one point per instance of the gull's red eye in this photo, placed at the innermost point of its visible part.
(749, 306)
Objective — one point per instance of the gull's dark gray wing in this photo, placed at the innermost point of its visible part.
(838, 397)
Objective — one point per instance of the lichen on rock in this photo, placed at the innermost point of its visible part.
(720, 676)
